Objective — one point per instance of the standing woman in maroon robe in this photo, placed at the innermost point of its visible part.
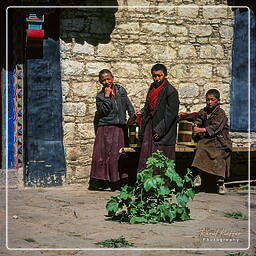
(112, 103)
(160, 115)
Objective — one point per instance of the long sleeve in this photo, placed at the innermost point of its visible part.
(171, 114)
(129, 106)
(217, 124)
(103, 104)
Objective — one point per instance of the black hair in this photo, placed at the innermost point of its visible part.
(104, 71)
(213, 92)
(158, 67)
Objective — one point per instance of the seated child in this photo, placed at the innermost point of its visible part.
(213, 152)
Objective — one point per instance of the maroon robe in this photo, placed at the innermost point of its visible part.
(105, 159)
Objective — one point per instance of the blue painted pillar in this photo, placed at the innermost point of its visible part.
(241, 85)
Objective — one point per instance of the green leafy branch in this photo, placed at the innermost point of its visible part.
(159, 195)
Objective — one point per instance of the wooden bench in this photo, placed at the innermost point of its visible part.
(180, 148)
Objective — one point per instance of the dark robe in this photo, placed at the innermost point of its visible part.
(149, 146)
(105, 159)
(159, 116)
(214, 148)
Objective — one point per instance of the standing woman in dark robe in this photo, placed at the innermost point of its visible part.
(112, 103)
(160, 115)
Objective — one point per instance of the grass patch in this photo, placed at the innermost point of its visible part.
(115, 243)
(235, 215)
(240, 254)
(30, 240)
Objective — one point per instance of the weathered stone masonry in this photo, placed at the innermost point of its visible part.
(194, 43)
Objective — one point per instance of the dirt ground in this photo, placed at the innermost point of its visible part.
(70, 220)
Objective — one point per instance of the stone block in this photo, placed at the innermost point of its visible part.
(83, 48)
(69, 130)
(187, 51)
(69, 119)
(72, 153)
(91, 109)
(137, 3)
(81, 109)
(202, 40)
(69, 109)
(154, 28)
(201, 71)
(72, 67)
(134, 49)
(188, 90)
(162, 52)
(178, 30)
(126, 70)
(86, 131)
(146, 67)
(178, 71)
(108, 50)
(93, 68)
(166, 11)
(81, 89)
(226, 32)
(188, 12)
(224, 70)
(65, 88)
(211, 51)
(215, 12)
(196, 101)
(129, 28)
(182, 108)
(200, 30)
(74, 109)
(65, 47)
(82, 172)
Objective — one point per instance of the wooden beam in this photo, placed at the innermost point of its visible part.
(239, 181)
(185, 149)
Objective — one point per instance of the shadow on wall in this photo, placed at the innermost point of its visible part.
(91, 25)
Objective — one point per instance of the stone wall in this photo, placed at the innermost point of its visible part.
(194, 43)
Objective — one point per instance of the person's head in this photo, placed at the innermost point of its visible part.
(159, 73)
(106, 78)
(212, 98)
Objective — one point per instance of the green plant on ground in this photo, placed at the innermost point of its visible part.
(235, 215)
(159, 195)
(115, 243)
(240, 254)
(30, 240)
